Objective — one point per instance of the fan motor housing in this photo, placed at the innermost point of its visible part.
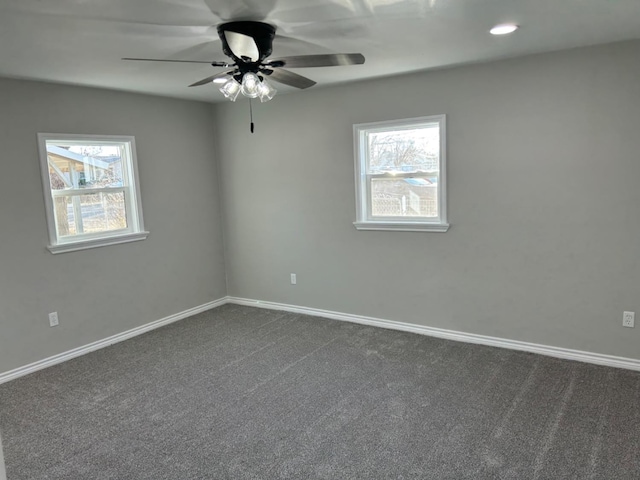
(262, 34)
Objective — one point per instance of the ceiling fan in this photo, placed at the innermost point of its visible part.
(248, 44)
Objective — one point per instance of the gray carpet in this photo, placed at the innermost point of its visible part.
(245, 393)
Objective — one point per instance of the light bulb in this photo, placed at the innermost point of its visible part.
(250, 85)
(231, 89)
(266, 91)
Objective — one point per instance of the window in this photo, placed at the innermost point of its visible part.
(91, 191)
(401, 175)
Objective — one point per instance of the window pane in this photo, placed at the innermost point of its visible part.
(415, 149)
(404, 197)
(84, 166)
(99, 212)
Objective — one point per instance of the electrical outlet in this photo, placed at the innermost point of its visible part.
(53, 319)
(628, 319)
(294, 280)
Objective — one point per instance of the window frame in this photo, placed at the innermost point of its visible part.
(131, 192)
(364, 219)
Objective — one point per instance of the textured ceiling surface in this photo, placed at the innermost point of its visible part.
(82, 41)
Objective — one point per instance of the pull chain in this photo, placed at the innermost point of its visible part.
(251, 115)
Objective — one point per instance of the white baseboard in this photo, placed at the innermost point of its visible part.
(76, 352)
(3, 473)
(565, 353)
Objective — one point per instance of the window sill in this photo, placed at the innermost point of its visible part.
(403, 227)
(98, 242)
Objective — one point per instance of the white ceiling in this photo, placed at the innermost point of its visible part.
(81, 41)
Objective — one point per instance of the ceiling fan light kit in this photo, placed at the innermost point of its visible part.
(252, 86)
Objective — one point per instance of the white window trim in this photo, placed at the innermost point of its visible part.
(409, 224)
(135, 231)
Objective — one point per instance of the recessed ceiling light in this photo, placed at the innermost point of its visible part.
(220, 80)
(503, 29)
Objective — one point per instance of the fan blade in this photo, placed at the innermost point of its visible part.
(210, 79)
(328, 60)
(215, 64)
(290, 78)
(281, 42)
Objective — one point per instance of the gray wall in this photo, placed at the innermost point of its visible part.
(104, 291)
(544, 163)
